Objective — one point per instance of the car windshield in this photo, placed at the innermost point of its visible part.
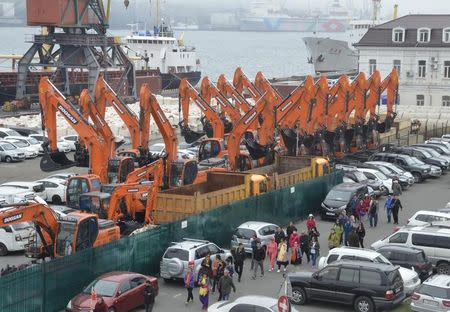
(20, 144)
(8, 147)
(177, 253)
(102, 288)
(418, 161)
(425, 153)
(434, 291)
(381, 259)
(360, 176)
(22, 226)
(33, 140)
(385, 170)
(11, 132)
(433, 152)
(381, 175)
(343, 196)
(244, 233)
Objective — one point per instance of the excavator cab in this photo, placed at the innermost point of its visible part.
(95, 202)
(76, 233)
(78, 185)
(119, 168)
(54, 160)
(183, 172)
(211, 148)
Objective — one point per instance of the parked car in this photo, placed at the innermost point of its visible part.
(30, 152)
(263, 230)
(433, 240)
(377, 175)
(24, 130)
(435, 151)
(339, 197)
(408, 257)
(56, 190)
(441, 149)
(4, 132)
(418, 169)
(438, 141)
(405, 180)
(367, 286)
(422, 155)
(424, 217)
(177, 256)
(445, 137)
(355, 175)
(37, 188)
(62, 146)
(433, 295)
(9, 152)
(15, 237)
(410, 278)
(121, 291)
(27, 141)
(247, 303)
(70, 140)
(62, 175)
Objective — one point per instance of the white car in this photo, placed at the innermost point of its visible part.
(30, 152)
(186, 154)
(62, 175)
(247, 303)
(56, 190)
(30, 141)
(69, 140)
(37, 188)
(62, 146)
(373, 174)
(4, 132)
(424, 217)
(157, 149)
(410, 278)
(9, 152)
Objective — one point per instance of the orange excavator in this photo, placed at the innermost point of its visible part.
(208, 91)
(213, 125)
(61, 237)
(230, 92)
(244, 85)
(390, 84)
(262, 84)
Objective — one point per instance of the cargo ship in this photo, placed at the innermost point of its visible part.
(268, 15)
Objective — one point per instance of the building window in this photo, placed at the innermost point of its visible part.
(398, 35)
(423, 35)
(422, 69)
(420, 99)
(372, 66)
(445, 100)
(398, 65)
(446, 35)
(446, 69)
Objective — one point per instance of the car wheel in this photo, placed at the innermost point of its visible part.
(8, 159)
(56, 200)
(3, 250)
(417, 177)
(298, 296)
(112, 309)
(364, 304)
(443, 268)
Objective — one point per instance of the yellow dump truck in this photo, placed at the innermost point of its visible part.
(219, 189)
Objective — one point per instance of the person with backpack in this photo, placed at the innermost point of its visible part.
(373, 213)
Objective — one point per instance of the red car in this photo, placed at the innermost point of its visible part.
(121, 291)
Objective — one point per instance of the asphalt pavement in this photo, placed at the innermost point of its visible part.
(430, 195)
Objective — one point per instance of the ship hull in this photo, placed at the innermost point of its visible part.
(331, 56)
(171, 81)
(291, 24)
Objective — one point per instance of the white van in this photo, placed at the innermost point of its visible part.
(433, 240)
(425, 217)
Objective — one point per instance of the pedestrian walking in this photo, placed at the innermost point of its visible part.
(260, 255)
(282, 258)
(348, 227)
(272, 249)
(353, 204)
(203, 292)
(304, 246)
(333, 239)
(388, 206)
(189, 281)
(296, 256)
(289, 230)
(396, 206)
(149, 296)
(218, 268)
(279, 235)
(339, 230)
(225, 285)
(239, 258)
(353, 239)
(342, 218)
(101, 306)
(206, 268)
(294, 238)
(314, 250)
(373, 213)
(353, 222)
(253, 241)
(396, 187)
(311, 222)
(361, 231)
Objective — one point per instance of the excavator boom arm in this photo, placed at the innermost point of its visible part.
(242, 83)
(229, 91)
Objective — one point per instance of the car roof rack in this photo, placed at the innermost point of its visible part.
(195, 240)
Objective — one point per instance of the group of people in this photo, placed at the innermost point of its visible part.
(350, 230)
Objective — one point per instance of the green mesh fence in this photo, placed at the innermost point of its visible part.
(49, 286)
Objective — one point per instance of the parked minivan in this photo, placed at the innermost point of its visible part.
(433, 240)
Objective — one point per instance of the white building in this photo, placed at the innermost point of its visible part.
(419, 47)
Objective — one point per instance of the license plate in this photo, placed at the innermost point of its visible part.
(431, 302)
(330, 214)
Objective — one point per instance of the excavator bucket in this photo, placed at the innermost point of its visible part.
(349, 134)
(255, 149)
(308, 141)
(228, 126)
(191, 136)
(207, 127)
(290, 140)
(52, 161)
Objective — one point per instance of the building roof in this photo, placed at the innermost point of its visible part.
(381, 35)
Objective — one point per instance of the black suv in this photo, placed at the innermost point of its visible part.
(408, 257)
(424, 156)
(419, 170)
(339, 197)
(367, 286)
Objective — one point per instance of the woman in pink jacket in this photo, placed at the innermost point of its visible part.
(272, 250)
